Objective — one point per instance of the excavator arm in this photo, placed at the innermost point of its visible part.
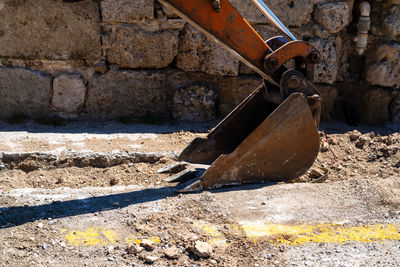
(219, 20)
(263, 139)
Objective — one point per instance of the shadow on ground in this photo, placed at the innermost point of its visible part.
(109, 127)
(14, 216)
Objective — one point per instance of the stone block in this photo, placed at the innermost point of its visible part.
(199, 53)
(69, 93)
(233, 90)
(333, 16)
(326, 71)
(194, 103)
(328, 95)
(24, 92)
(47, 29)
(391, 23)
(375, 107)
(133, 47)
(177, 79)
(168, 12)
(395, 107)
(126, 93)
(126, 10)
(383, 65)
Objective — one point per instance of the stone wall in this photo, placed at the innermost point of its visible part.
(95, 59)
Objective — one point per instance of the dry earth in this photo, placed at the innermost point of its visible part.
(56, 213)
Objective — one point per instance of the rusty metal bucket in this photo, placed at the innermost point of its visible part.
(258, 142)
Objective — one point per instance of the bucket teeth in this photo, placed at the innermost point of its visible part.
(182, 176)
(192, 171)
(173, 168)
(194, 187)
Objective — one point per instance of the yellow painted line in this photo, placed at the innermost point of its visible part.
(97, 236)
(89, 237)
(277, 234)
(322, 233)
(216, 237)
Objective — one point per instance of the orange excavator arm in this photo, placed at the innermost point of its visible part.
(219, 20)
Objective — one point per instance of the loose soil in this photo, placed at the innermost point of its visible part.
(346, 160)
(340, 158)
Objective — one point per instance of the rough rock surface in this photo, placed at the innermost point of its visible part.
(69, 93)
(127, 10)
(194, 103)
(134, 47)
(395, 108)
(391, 23)
(292, 13)
(328, 95)
(40, 30)
(124, 93)
(383, 66)
(233, 90)
(377, 102)
(24, 92)
(326, 71)
(199, 53)
(172, 253)
(91, 37)
(333, 16)
(202, 249)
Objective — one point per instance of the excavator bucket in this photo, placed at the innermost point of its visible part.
(257, 142)
(262, 140)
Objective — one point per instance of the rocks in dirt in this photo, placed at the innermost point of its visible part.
(134, 249)
(194, 103)
(333, 16)
(143, 228)
(389, 151)
(148, 259)
(202, 249)
(354, 135)
(148, 244)
(361, 141)
(114, 181)
(319, 175)
(172, 253)
(69, 93)
(324, 147)
(45, 246)
(316, 172)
